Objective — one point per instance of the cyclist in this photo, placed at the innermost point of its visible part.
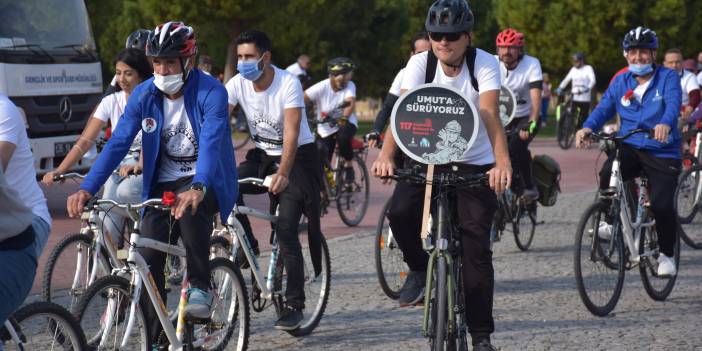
(187, 148)
(328, 95)
(136, 40)
(274, 101)
(521, 73)
(299, 69)
(583, 81)
(647, 96)
(131, 67)
(420, 43)
(690, 88)
(204, 63)
(450, 25)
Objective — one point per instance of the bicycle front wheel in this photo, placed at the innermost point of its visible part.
(68, 270)
(688, 194)
(390, 265)
(317, 273)
(104, 314)
(599, 260)
(657, 287)
(44, 326)
(438, 327)
(525, 226)
(354, 194)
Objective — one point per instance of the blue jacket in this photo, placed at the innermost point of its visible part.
(660, 105)
(206, 104)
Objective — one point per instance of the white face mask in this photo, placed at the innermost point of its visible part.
(169, 84)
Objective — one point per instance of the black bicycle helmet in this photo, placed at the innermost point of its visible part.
(137, 40)
(171, 39)
(640, 37)
(449, 16)
(340, 65)
(579, 56)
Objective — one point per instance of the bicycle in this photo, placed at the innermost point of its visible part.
(632, 240)
(240, 129)
(111, 312)
(351, 197)
(567, 121)
(269, 289)
(688, 194)
(444, 321)
(390, 266)
(42, 326)
(82, 250)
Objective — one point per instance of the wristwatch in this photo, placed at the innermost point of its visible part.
(199, 187)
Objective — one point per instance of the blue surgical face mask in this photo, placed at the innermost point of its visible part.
(639, 69)
(249, 69)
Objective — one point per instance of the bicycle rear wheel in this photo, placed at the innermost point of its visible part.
(688, 194)
(67, 271)
(657, 287)
(353, 196)
(599, 261)
(44, 326)
(240, 130)
(317, 273)
(525, 226)
(389, 261)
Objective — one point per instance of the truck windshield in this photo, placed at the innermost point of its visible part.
(53, 26)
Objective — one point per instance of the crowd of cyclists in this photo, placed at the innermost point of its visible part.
(170, 131)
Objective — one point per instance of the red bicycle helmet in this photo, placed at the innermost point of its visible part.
(510, 37)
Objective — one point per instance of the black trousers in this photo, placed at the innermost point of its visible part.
(519, 152)
(475, 209)
(584, 111)
(195, 231)
(662, 176)
(343, 137)
(300, 197)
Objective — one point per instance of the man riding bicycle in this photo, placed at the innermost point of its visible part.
(450, 25)
(647, 96)
(673, 59)
(521, 73)
(187, 149)
(329, 95)
(583, 81)
(274, 101)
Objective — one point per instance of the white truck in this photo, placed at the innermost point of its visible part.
(50, 69)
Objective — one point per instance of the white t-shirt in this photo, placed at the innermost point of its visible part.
(20, 173)
(265, 110)
(486, 71)
(396, 86)
(327, 100)
(688, 82)
(179, 146)
(296, 70)
(528, 70)
(583, 81)
(699, 79)
(640, 90)
(111, 108)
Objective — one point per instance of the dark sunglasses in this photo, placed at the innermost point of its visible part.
(435, 36)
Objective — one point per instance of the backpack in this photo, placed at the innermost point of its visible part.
(432, 62)
(547, 175)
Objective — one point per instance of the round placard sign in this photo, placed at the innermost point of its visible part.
(434, 124)
(507, 105)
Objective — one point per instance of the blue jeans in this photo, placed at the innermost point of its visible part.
(18, 270)
(544, 110)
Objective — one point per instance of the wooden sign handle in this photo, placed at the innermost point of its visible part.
(427, 202)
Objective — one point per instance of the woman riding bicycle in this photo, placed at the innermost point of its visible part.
(647, 96)
(330, 95)
(131, 67)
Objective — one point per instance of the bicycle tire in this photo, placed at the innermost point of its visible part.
(383, 247)
(560, 125)
(648, 240)
(320, 305)
(220, 247)
(688, 208)
(595, 250)
(58, 319)
(240, 137)
(109, 288)
(84, 242)
(344, 201)
(236, 315)
(525, 227)
(569, 130)
(440, 313)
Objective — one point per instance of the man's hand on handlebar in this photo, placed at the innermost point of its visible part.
(383, 166)
(581, 138)
(372, 139)
(660, 133)
(127, 170)
(76, 202)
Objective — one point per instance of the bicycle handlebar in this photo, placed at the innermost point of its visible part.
(613, 136)
(68, 176)
(416, 177)
(253, 180)
(94, 204)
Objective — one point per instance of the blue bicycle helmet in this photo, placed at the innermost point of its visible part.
(640, 37)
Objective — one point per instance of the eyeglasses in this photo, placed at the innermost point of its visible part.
(435, 36)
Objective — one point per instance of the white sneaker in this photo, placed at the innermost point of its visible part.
(666, 266)
(604, 231)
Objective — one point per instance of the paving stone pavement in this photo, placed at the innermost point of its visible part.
(537, 306)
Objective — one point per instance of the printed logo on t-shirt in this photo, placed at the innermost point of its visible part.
(268, 133)
(148, 124)
(181, 146)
